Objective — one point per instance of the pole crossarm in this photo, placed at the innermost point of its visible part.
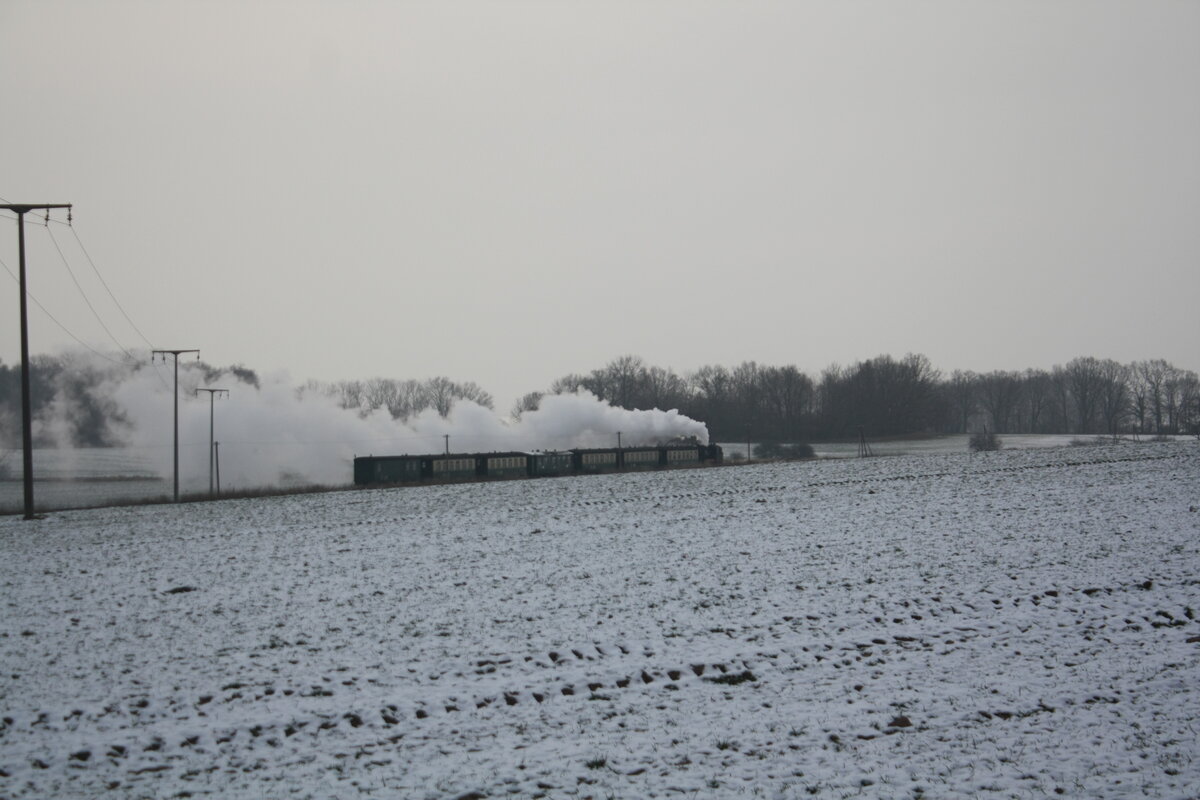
(21, 209)
(25, 208)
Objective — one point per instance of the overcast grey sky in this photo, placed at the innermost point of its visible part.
(507, 192)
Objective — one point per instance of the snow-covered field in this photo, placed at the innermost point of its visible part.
(1012, 624)
(86, 477)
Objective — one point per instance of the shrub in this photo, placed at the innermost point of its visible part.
(767, 450)
(777, 450)
(799, 451)
(983, 441)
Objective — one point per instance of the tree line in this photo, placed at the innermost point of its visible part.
(884, 396)
(402, 398)
(888, 396)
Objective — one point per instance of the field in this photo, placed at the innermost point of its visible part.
(1011, 624)
(86, 477)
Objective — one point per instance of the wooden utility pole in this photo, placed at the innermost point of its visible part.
(212, 395)
(21, 209)
(175, 353)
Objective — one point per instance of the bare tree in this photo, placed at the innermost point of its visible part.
(410, 399)
(832, 407)
(712, 397)
(623, 378)
(661, 388)
(884, 395)
(787, 398)
(379, 393)
(962, 397)
(1171, 398)
(1189, 403)
(1114, 395)
(528, 402)
(1000, 395)
(569, 384)
(1038, 398)
(440, 391)
(1085, 381)
(474, 393)
(349, 394)
(1152, 377)
(712, 383)
(1157, 395)
(1139, 399)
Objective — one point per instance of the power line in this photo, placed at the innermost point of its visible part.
(105, 284)
(83, 294)
(75, 232)
(59, 324)
(131, 358)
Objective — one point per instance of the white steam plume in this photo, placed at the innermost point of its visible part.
(276, 434)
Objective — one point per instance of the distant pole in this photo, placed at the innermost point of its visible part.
(21, 210)
(446, 436)
(864, 449)
(217, 456)
(618, 440)
(212, 394)
(175, 353)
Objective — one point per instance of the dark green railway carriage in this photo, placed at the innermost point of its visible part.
(681, 456)
(454, 466)
(387, 469)
(597, 460)
(545, 464)
(506, 465)
(641, 458)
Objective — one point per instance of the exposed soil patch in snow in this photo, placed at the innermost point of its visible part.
(1020, 623)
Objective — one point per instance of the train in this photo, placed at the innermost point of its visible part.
(443, 467)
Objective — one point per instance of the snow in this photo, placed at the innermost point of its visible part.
(1010, 624)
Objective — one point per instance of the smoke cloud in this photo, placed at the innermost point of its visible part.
(272, 432)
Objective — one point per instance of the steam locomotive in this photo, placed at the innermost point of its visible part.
(374, 470)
